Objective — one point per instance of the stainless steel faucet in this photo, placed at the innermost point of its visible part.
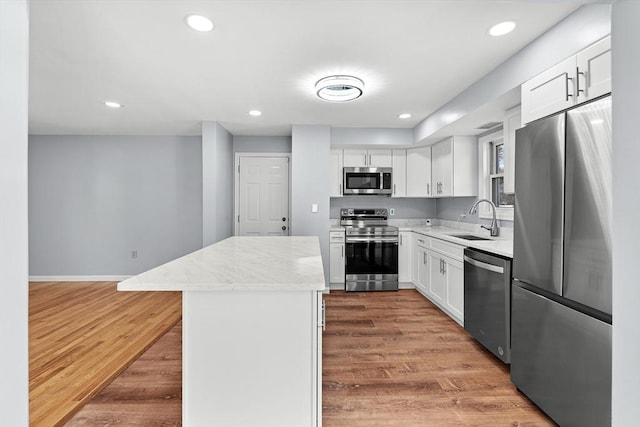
(494, 224)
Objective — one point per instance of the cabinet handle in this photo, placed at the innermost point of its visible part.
(424, 257)
(342, 251)
(444, 267)
(394, 189)
(323, 322)
(578, 74)
(369, 159)
(428, 189)
(365, 159)
(421, 241)
(567, 87)
(401, 239)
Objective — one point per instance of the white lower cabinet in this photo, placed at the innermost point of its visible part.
(404, 257)
(438, 274)
(336, 257)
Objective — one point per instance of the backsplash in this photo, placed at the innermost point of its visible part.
(404, 208)
(452, 209)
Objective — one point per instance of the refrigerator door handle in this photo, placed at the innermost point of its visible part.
(484, 265)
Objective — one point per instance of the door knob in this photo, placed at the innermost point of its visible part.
(284, 228)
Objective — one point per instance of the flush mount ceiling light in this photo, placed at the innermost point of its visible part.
(199, 23)
(113, 104)
(255, 113)
(404, 115)
(502, 28)
(339, 88)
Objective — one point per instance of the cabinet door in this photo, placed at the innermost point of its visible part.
(454, 277)
(549, 92)
(404, 257)
(379, 158)
(594, 70)
(335, 171)
(336, 263)
(442, 163)
(416, 240)
(419, 172)
(422, 261)
(399, 158)
(437, 280)
(512, 122)
(355, 158)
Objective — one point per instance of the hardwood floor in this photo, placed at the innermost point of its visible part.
(84, 334)
(394, 359)
(148, 393)
(389, 359)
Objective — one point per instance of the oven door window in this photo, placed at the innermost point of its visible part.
(371, 258)
(362, 180)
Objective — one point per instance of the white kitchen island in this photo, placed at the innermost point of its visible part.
(252, 339)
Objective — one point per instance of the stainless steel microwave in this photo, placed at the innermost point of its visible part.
(368, 181)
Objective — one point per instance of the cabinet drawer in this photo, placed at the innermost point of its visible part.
(421, 240)
(446, 248)
(336, 237)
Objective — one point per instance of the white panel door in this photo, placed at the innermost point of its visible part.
(454, 273)
(263, 196)
(404, 256)
(437, 279)
(399, 160)
(335, 174)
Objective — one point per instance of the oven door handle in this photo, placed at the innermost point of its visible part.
(372, 240)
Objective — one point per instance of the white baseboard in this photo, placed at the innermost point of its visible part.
(401, 285)
(406, 285)
(77, 278)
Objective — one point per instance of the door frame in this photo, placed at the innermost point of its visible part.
(236, 184)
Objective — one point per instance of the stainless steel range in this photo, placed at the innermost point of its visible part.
(371, 261)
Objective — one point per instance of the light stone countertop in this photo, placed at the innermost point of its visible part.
(248, 263)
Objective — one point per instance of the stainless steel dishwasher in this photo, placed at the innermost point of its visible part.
(487, 301)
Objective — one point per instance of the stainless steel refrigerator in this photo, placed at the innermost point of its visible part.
(561, 289)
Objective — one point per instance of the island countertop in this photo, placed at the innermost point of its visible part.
(251, 263)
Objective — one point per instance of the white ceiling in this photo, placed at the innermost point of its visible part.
(413, 56)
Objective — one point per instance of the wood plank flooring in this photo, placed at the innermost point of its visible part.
(394, 359)
(84, 334)
(389, 359)
(148, 393)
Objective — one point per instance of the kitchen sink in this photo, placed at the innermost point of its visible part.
(469, 237)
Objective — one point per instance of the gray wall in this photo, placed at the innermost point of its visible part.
(262, 144)
(14, 73)
(405, 208)
(94, 199)
(310, 156)
(217, 183)
(626, 204)
(451, 209)
(371, 136)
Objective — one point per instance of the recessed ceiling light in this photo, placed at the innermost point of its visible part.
(255, 113)
(199, 23)
(339, 88)
(112, 104)
(404, 115)
(502, 28)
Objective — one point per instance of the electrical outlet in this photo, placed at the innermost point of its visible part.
(134, 253)
(392, 211)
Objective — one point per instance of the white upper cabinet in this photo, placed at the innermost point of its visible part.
(455, 167)
(577, 79)
(594, 70)
(335, 174)
(512, 122)
(362, 158)
(548, 92)
(419, 172)
(399, 177)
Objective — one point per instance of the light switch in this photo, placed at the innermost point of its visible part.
(314, 207)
